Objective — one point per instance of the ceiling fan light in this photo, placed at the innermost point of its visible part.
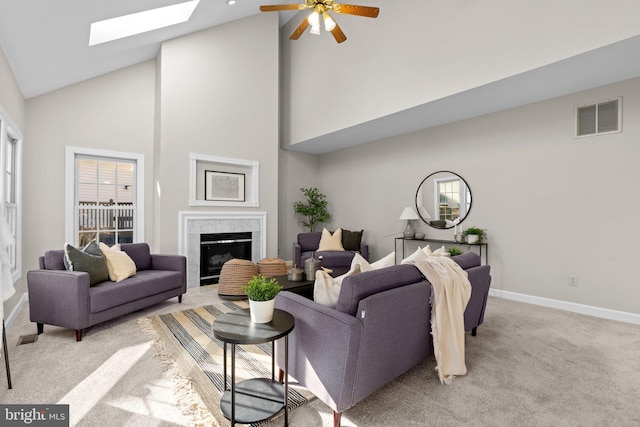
(314, 19)
(329, 23)
(315, 29)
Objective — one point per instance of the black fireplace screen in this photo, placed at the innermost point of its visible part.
(218, 248)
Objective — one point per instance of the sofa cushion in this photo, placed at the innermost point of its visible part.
(331, 242)
(309, 241)
(120, 265)
(54, 260)
(80, 260)
(144, 284)
(351, 240)
(387, 261)
(467, 260)
(139, 253)
(359, 286)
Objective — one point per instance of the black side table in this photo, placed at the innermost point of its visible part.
(254, 399)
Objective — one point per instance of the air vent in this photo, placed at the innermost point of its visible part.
(602, 117)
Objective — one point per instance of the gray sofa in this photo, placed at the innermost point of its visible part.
(338, 261)
(64, 298)
(379, 330)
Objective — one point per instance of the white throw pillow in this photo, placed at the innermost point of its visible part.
(329, 242)
(326, 289)
(442, 251)
(120, 265)
(387, 261)
(418, 254)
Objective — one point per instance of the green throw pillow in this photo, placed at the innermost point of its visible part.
(85, 260)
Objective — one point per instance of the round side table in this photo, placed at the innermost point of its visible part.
(255, 399)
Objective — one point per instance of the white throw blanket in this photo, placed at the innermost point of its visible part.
(451, 292)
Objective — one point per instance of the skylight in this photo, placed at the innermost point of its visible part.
(141, 22)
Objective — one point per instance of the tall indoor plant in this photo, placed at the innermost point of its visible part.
(314, 211)
(261, 293)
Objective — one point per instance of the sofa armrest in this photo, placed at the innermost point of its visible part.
(323, 349)
(59, 297)
(364, 251)
(480, 279)
(171, 263)
(297, 253)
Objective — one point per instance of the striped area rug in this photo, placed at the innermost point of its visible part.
(187, 350)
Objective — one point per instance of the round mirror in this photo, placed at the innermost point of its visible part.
(443, 199)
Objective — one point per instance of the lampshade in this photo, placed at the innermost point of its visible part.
(408, 213)
(423, 212)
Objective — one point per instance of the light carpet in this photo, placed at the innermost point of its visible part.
(529, 366)
(185, 345)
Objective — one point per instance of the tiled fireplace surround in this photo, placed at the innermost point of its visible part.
(193, 224)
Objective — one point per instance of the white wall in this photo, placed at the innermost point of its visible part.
(219, 97)
(553, 205)
(12, 103)
(113, 112)
(418, 51)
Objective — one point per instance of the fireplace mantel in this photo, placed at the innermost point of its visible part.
(193, 224)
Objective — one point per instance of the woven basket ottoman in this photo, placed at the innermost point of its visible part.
(234, 276)
(270, 267)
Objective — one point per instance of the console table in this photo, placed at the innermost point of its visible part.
(481, 248)
(255, 399)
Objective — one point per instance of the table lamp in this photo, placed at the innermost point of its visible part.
(408, 213)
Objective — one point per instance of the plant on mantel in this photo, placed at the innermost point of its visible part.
(314, 211)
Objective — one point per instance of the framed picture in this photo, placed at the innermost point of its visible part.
(224, 186)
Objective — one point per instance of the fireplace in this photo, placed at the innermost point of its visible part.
(218, 248)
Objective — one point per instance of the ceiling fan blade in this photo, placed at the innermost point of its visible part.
(277, 7)
(338, 34)
(298, 31)
(351, 9)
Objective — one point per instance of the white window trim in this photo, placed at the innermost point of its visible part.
(69, 194)
(8, 127)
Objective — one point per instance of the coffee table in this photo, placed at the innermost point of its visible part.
(254, 399)
(303, 287)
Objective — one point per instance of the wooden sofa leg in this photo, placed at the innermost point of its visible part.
(78, 335)
(336, 418)
(474, 331)
(40, 328)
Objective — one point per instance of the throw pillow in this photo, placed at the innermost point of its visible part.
(387, 261)
(442, 251)
(418, 254)
(351, 240)
(119, 264)
(326, 289)
(331, 242)
(79, 260)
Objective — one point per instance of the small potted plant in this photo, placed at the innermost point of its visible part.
(454, 250)
(261, 293)
(474, 235)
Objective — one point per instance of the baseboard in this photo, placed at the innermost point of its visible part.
(604, 313)
(14, 313)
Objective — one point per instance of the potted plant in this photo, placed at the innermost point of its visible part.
(262, 293)
(454, 250)
(474, 235)
(314, 211)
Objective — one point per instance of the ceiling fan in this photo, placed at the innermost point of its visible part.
(321, 8)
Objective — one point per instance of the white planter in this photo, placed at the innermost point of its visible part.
(261, 311)
(472, 238)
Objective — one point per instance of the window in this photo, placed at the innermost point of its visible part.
(600, 118)
(106, 198)
(10, 150)
(453, 198)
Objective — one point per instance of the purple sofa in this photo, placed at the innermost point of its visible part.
(379, 330)
(64, 298)
(338, 261)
